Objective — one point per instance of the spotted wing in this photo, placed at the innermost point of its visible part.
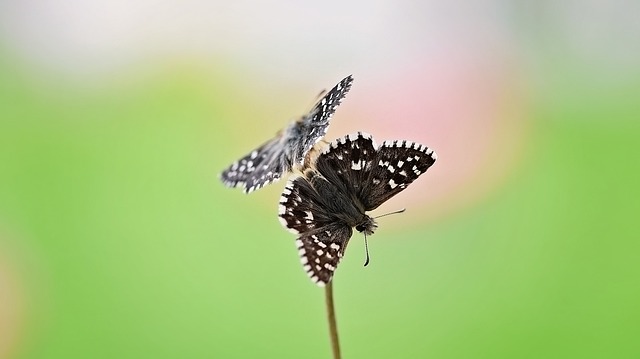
(262, 166)
(397, 164)
(309, 202)
(267, 163)
(373, 175)
(312, 127)
(348, 162)
(322, 249)
(312, 207)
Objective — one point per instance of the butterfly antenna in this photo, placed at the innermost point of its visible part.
(366, 243)
(394, 212)
(366, 250)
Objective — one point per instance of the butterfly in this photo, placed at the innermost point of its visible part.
(324, 203)
(289, 148)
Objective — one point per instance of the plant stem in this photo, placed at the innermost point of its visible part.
(331, 316)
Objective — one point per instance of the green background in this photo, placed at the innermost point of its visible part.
(133, 249)
(122, 243)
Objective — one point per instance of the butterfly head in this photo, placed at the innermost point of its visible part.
(367, 226)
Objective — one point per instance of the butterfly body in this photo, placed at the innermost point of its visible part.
(289, 148)
(338, 206)
(348, 179)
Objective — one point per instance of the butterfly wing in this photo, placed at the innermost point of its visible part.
(373, 175)
(267, 163)
(347, 163)
(262, 166)
(397, 164)
(312, 207)
(312, 127)
(322, 249)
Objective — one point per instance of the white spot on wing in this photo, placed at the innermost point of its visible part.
(329, 267)
(309, 215)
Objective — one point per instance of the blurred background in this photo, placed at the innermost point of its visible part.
(117, 239)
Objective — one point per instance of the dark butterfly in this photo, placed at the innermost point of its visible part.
(350, 177)
(289, 148)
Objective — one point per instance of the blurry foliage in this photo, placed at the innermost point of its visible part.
(141, 252)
